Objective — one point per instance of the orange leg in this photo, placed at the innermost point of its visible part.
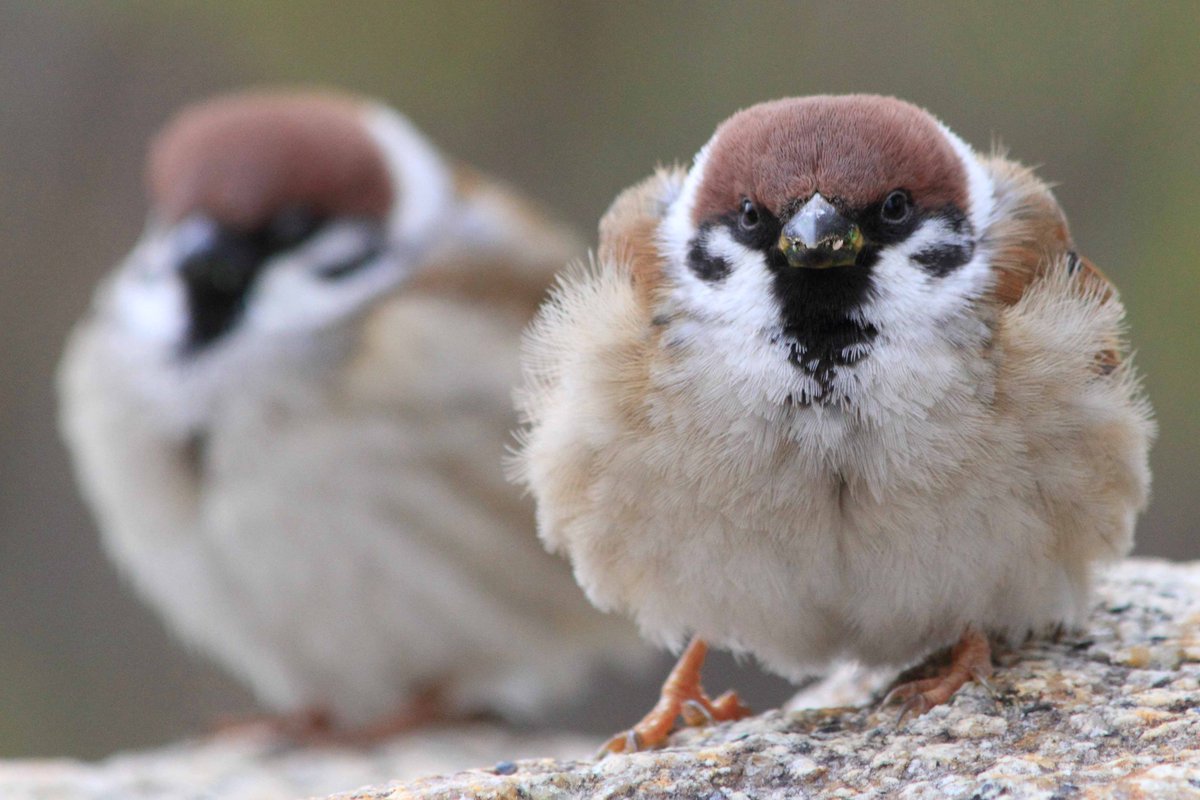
(308, 723)
(426, 708)
(971, 659)
(682, 696)
(316, 727)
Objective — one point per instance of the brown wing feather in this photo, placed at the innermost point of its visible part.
(1031, 237)
(628, 228)
(1091, 279)
(513, 271)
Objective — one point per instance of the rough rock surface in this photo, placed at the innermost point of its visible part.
(1112, 711)
(254, 764)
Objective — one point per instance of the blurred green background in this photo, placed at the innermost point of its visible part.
(572, 102)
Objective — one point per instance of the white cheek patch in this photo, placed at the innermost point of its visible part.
(743, 297)
(292, 295)
(147, 298)
(728, 336)
(340, 243)
(909, 302)
(287, 296)
(907, 297)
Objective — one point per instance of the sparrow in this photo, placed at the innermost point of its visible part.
(842, 390)
(289, 405)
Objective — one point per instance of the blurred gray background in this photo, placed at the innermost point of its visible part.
(571, 102)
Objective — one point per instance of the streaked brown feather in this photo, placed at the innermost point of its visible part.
(1030, 236)
(628, 230)
(513, 275)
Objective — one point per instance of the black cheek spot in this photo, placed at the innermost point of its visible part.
(940, 260)
(708, 268)
(341, 269)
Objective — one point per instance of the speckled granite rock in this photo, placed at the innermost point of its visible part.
(255, 765)
(1112, 712)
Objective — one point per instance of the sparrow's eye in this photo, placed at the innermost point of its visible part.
(291, 227)
(896, 207)
(749, 218)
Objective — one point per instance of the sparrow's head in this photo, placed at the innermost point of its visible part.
(274, 216)
(825, 223)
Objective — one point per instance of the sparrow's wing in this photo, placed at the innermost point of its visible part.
(1091, 280)
(1031, 243)
(627, 230)
(500, 249)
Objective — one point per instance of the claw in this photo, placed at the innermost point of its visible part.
(901, 692)
(682, 697)
(986, 683)
(905, 691)
(914, 707)
(626, 742)
(695, 714)
(970, 659)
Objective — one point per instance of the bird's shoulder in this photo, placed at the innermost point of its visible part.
(629, 228)
(1033, 252)
(501, 249)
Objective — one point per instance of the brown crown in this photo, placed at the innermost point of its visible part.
(241, 158)
(852, 149)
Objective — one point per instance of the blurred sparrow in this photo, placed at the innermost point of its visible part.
(842, 390)
(288, 409)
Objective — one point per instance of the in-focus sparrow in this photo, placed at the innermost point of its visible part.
(843, 389)
(289, 406)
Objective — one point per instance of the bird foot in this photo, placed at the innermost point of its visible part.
(317, 728)
(425, 709)
(297, 726)
(682, 698)
(971, 659)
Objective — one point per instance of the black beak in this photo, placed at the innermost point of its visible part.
(818, 237)
(218, 266)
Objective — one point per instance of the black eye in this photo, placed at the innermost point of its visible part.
(290, 227)
(749, 218)
(896, 207)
